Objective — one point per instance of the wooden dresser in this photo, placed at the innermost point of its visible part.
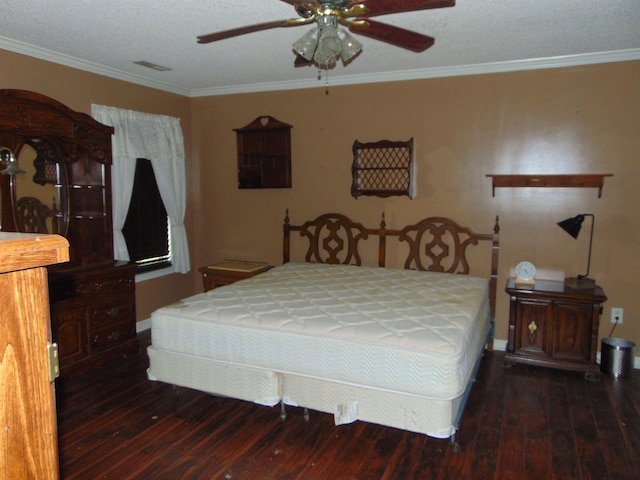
(93, 314)
(554, 326)
(93, 309)
(28, 444)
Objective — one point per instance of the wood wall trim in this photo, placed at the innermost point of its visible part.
(595, 180)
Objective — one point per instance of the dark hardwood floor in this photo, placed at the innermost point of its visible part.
(521, 423)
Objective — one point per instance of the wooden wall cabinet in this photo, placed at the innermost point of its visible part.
(554, 326)
(264, 154)
(92, 296)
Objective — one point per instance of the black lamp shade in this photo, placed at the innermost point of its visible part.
(572, 225)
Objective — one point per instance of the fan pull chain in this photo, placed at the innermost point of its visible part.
(326, 85)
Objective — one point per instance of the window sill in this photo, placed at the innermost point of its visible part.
(141, 277)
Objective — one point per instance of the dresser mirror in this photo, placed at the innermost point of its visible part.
(36, 193)
(66, 187)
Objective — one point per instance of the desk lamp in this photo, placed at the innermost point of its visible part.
(572, 226)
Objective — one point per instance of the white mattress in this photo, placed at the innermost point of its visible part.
(417, 333)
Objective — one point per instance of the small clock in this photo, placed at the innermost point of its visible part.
(525, 274)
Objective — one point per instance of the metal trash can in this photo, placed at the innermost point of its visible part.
(617, 356)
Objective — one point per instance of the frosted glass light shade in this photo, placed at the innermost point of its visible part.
(325, 43)
(306, 45)
(329, 47)
(350, 46)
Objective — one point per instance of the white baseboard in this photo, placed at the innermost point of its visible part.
(143, 325)
(500, 345)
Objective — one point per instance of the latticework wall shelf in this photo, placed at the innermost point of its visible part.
(382, 169)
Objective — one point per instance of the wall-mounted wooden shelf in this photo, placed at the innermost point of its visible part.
(382, 168)
(595, 180)
(264, 154)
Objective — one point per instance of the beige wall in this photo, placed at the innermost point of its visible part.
(78, 90)
(572, 120)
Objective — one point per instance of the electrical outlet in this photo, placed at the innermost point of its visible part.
(617, 315)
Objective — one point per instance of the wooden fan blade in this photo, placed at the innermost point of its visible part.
(384, 7)
(399, 37)
(234, 32)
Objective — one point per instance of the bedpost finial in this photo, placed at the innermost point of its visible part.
(286, 216)
(383, 223)
(496, 228)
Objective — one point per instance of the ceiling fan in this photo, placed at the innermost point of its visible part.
(326, 43)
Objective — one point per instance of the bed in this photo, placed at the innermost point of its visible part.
(393, 346)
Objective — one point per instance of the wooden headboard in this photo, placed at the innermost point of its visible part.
(436, 244)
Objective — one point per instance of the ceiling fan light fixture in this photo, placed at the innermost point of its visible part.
(7, 157)
(325, 44)
(350, 46)
(329, 47)
(306, 45)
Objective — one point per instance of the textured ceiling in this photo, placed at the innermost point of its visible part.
(107, 36)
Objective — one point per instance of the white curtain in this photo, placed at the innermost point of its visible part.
(159, 139)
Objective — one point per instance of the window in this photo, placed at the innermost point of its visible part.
(146, 228)
(158, 137)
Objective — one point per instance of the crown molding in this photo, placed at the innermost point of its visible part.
(84, 65)
(404, 75)
(436, 72)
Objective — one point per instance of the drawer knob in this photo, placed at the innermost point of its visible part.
(113, 312)
(532, 331)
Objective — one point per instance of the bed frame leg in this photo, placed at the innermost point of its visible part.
(283, 412)
(455, 447)
(176, 396)
(306, 415)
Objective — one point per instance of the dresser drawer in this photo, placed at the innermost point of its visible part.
(106, 284)
(115, 311)
(101, 339)
(64, 285)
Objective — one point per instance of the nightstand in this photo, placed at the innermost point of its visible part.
(551, 325)
(230, 271)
